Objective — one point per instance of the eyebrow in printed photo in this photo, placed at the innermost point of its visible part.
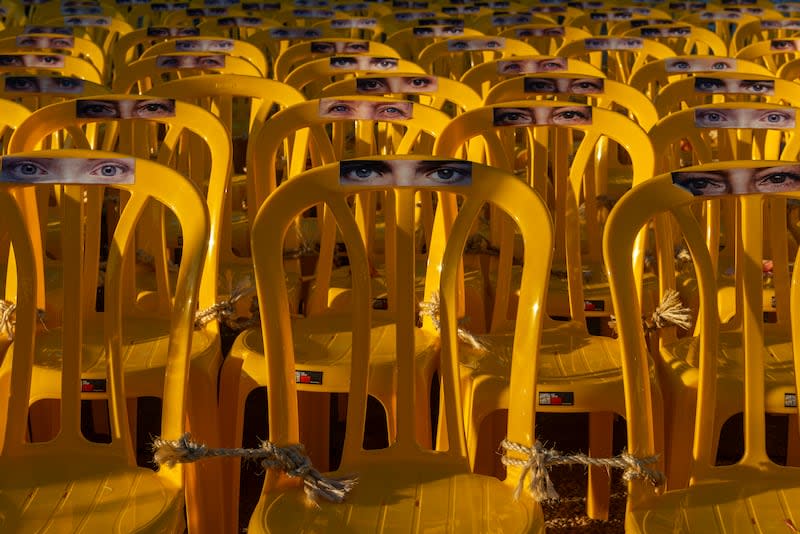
(405, 172)
(574, 85)
(733, 86)
(43, 84)
(397, 85)
(740, 181)
(125, 109)
(544, 64)
(541, 115)
(775, 118)
(365, 109)
(67, 170)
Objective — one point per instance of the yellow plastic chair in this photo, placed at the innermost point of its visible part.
(313, 49)
(707, 88)
(405, 476)
(42, 63)
(237, 27)
(274, 41)
(649, 78)
(772, 53)
(494, 22)
(69, 481)
(437, 92)
(484, 76)
(48, 11)
(128, 47)
(683, 38)
(723, 23)
(211, 45)
(38, 91)
(144, 74)
(547, 38)
(310, 78)
(790, 70)
(197, 144)
(454, 56)
(583, 367)
(74, 46)
(758, 30)
(619, 57)
(103, 30)
(409, 43)
(352, 27)
(748, 370)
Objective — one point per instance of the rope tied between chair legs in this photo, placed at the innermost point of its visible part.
(431, 309)
(669, 312)
(538, 460)
(291, 459)
(8, 319)
(225, 310)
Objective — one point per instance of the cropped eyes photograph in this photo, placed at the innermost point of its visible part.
(415, 15)
(517, 66)
(785, 24)
(405, 172)
(778, 118)
(610, 16)
(87, 21)
(781, 179)
(61, 30)
(244, 22)
(540, 32)
(674, 31)
(548, 9)
(365, 109)
(638, 23)
(363, 63)
(180, 31)
(125, 109)
(459, 10)
(354, 23)
(203, 45)
(542, 115)
(720, 15)
(613, 43)
(510, 20)
(313, 13)
(191, 62)
(734, 86)
(784, 45)
(67, 170)
(440, 22)
(397, 85)
(462, 45)
(339, 47)
(43, 84)
(437, 31)
(572, 86)
(295, 33)
(47, 61)
(698, 64)
(44, 41)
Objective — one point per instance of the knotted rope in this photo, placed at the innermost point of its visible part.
(670, 311)
(538, 460)
(431, 309)
(225, 310)
(8, 318)
(480, 244)
(291, 459)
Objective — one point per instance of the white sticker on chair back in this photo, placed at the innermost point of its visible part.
(720, 15)
(61, 30)
(141, 108)
(313, 13)
(772, 118)
(637, 23)
(44, 84)
(33, 40)
(397, 85)
(207, 12)
(699, 64)
(542, 115)
(613, 43)
(734, 86)
(784, 45)
(191, 61)
(405, 173)
(47, 170)
(338, 108)
(476, 44)
(570, 86)
(740, 181)
(339, 47)
(511, 19)
(244, 22)
(261, 6)
(511, 67)
(163, 6)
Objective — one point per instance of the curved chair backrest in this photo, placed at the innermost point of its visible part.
(105, 31)
(453, 56)
(211, 45)
(42, 62)
(128, 47)
(409, 43)
(546, 38)
(772, 53)
(618, 56)
(313, 49)
(683, 38)
(763, 30)
(50, 42)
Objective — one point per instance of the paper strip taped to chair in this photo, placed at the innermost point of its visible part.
(291, 459)
(17, 169)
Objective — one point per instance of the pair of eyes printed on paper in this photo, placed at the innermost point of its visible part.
(773, 118)
(20, 170)
(542, 115)
(740, 181)
(405, 173)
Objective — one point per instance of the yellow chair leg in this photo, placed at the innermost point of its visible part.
(601, 445)
(314, 411)
(44, 419)
(793, 442)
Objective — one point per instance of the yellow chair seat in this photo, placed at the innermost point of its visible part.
(391, 498)
(719, 506)
(144, 345)
(323, 344)
(682, 358)
(90, 495)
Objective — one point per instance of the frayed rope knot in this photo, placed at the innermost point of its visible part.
(669, 312)
(8, 318)
(432, 308)
(537, 461)
(291, 459)
(225, 310)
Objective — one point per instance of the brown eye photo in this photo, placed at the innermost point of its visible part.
(573, 86)
(542, 115)
(336, 108)
(364, 63)
(397, 85)
(734, 86)
(61, 30)
(405, 173)
(203, 45)
(540, 32)
(67, 170)
(125, 109)
(43, 84)
(740, 181)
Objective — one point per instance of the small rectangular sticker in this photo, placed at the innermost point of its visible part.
(440, 22)
(550, 31)
(365, 63)
(669, 31)
(261, 6)
(510, 20)
(61, 30)
(413, 15)
(594, 305)
(364, 23)
(313, 378)
(87, 171)
(784, 24)
(699, 64)
(244, 22)
(539, 115)
(740, 180)
(294, 33)
(93, 385)
(557, 398)
(437, 31)
(207, 11)
(313, 13)
(203, 45)
(418, 173)
(87, 21)
(43, 41)
(39, 61)
(512, 67)
(790, 400)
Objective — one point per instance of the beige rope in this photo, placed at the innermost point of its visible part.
(291, 459)
(669, 312)
(225, 310)
(431, 309)
(538, 460)
(8, 319)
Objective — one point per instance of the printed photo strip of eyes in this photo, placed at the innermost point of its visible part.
(38, 41)
(295, 33)
(784, 45)
(756, 118)
(405, 173)
(573, 86)
(67, 170)
(540, 32)
(203, 45)
(61, 30)
(612, 43)
(784, 24)
(397, 85)
(365, 109)
(354, 23)
(125, 109)
(476, 44)
(542, 115)
(736, 86)
(740, 181)
(699, 64)
(190, 61)
(179, 31)
(43, 84)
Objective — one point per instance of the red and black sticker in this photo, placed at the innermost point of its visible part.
(90, 385)
(557, 398)
(594, 305)
(313, 378)
(790, 400)
(381, 303)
